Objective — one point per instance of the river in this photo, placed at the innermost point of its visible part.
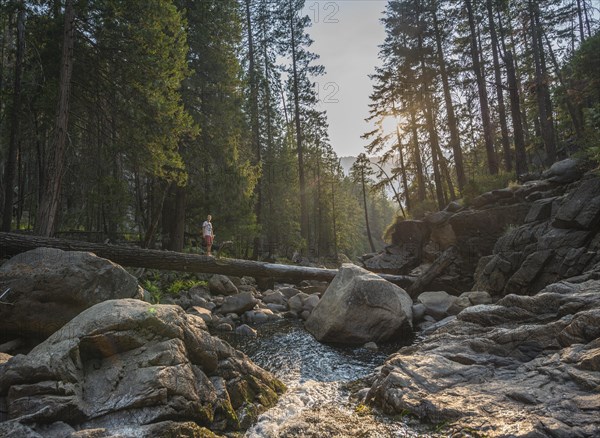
(318, 376)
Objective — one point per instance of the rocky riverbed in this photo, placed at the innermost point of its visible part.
(503, 341)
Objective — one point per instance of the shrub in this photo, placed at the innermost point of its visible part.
(183, 285)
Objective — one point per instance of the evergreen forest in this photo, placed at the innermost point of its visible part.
(131, 121)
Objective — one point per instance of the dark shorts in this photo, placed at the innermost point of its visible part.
(208, 240)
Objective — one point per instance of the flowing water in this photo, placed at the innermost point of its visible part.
(317, 402)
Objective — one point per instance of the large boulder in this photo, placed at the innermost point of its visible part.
(477, 230)
(359, 307)
(523, 367)
(405, 252)
(437, 304)
(410, 233)
(239, 303)
(394, 260)
(565, 171)
(582, 208)
(127, 364)
(49, 287)
(222, 285)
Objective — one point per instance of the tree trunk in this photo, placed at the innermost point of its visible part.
(434, 142)
(580, 19)
(48, 208)
(304, 232)
(541, 89)
(483, 97)
(403, 171)
(12, 244)
(446, 174)
(417, 157)
(434, 271)
(452, 123)
(318, 215)
(254, 122)
(430, 122)
(499, 92)
(515, 110)
(13, 142)
(155, 214)
(402, 166)
(177, 228)
(576, 117)
(364, 191)
(334, 218)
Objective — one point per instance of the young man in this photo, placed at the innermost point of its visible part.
(207, 232)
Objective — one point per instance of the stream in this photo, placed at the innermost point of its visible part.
(317, 402)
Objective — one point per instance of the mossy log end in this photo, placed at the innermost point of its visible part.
(13, 243)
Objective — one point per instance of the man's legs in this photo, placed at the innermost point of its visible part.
(209, 242)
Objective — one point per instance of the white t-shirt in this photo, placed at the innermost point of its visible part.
(207, 228)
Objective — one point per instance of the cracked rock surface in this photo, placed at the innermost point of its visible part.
(525, 366)
(126, 364)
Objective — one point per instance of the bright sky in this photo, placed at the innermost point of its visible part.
(346, 34)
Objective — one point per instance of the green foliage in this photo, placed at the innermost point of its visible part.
(154, 290)
(180, 285)
(583, 76)
(169, 283)
(222, 175)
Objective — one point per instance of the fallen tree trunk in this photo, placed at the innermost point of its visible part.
(12, 244)
(436, 268)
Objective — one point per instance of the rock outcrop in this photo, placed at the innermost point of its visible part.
(129, 365)
(358, 307)
(405, 253)
(512, 240)
(48, 287)
(525, 366)
(559, 239)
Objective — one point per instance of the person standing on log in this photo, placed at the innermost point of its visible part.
(207, 233)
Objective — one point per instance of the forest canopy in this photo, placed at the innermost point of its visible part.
(134, 120)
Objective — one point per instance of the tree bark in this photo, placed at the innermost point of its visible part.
(304, 232)
(452, 123)
(541, 89)
(177, 229)
(402, 166)
(430, 122)
(11, 159)
(364, 191)
(12, 244)
(434, 142)
(515, 110)
(483, 97)
(404, 178)
(48, 208)
(580, 19)
(576, 117)
(499, 92)
(254, 122)
(417, 157)
(155, 214)
(436, 268)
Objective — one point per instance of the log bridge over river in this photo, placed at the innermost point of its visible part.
(14, 243)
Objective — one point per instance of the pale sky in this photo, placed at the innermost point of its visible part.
(346, 34)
